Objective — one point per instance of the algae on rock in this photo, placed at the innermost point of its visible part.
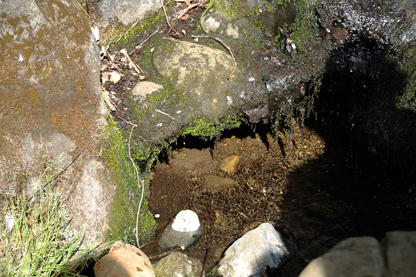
(126, 201)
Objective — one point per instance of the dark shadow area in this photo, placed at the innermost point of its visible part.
(364, 183)
(191, 142)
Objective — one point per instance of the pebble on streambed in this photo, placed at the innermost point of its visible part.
(186, 229)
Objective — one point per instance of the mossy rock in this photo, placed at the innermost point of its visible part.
(205, 74)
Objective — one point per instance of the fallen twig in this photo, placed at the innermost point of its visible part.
(226, 46)
(159, 111)
(167, 20)
(132, 124)
(144, 41)
(149, 242)
(107, 100)
(132, 64)
(190, 7)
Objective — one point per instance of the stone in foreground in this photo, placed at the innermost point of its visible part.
(401, 253)
(124, 260)
(360, 256)
(256, 250)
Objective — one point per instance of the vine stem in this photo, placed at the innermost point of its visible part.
(138, 185)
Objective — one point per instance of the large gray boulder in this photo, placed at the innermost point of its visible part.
(51, 107)
(115, 18)
(125, 12)
(226, 19)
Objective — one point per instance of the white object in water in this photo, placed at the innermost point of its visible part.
(186, 221)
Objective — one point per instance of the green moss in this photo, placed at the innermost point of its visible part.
(207, 130)
(126, 201)
(305, 25)
(239, 8)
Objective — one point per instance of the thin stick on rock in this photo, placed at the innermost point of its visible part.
(167, 20)
(226, 46)
(144, 41)
(189, 8)
(159, 111)
(132, 124)
(136, 67)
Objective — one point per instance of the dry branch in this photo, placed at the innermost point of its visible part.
(167, 20)
(144, 41)
(132, 64)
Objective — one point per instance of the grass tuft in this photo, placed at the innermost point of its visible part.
(35, 238)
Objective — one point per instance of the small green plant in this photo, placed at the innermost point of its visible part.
(34, 238)
(82, 8)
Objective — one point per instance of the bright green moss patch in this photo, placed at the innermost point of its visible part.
(126, 201)
(206, 130)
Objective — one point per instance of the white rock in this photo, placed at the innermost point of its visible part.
(253, 252)
(186, 221)
(115, 77)
(144, 88)
(185, 230)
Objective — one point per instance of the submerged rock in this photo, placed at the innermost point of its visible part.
(400, 253)
(178, 264)
(230, 164)
(213, 183)
(364, 256)
(254, 252)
